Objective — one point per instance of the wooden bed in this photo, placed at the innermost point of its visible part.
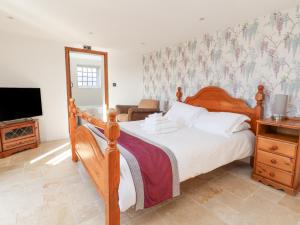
(103, 165)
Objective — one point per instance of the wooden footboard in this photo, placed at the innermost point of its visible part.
(103, 165)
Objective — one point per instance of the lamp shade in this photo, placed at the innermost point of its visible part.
(280, 104)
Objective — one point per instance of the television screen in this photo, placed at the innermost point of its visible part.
(19, 103)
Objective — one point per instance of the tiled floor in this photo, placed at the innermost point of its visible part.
(43, 187)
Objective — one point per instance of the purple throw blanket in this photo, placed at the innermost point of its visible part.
(153, 168)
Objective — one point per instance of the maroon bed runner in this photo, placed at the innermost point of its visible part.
(155, 168)
(158, 170)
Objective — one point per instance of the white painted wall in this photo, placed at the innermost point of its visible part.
(27, 62)
(30, 62)
(125, 69)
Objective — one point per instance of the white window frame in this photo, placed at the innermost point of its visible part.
(87, 76)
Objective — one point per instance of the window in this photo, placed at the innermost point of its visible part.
(87, 77)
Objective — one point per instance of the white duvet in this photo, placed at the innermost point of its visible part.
(196, 152)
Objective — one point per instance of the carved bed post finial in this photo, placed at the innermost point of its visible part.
(179, 94)
(112, 133)
(259, 112)
(72, 128)
(259, 97)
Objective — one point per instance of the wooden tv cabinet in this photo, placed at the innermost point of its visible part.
(18, 136)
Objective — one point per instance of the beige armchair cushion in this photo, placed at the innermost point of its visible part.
(122, 117)
(148, 104)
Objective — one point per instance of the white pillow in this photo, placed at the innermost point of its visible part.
(241, 127)
(221, 123)
(184, 114)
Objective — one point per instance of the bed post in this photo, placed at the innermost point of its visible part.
(259, 111)
(72, 128)
(259, 97)
(179, 94)
(112, 155)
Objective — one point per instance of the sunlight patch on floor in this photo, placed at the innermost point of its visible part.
(49, 153)
(60, 158)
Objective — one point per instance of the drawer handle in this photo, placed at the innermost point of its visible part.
(274, 148)
(272, 174)
(273, 161)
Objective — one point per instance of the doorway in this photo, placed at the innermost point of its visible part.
(87, 80)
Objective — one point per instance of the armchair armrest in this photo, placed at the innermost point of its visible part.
(135, 113)
(123, 108)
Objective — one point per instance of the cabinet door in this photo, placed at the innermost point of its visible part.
(0, 143)
(13, 133)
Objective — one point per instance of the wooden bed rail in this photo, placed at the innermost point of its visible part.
(102, 166)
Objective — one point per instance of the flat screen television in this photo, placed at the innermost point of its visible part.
(19, 103)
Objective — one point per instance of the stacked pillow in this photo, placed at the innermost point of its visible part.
(184, 114)
(220, 123)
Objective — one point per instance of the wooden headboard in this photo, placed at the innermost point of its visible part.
(216, 99)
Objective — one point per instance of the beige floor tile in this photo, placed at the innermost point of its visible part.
(7, 217)
(97, 220)
(61, 170)
(11, 175)
(44, 187)
(23, 157)
(187, 211)
(152, 218)
(125, 219)
(60, 214)
(59, 190)
(236, 185)
(85, 212)
(269, 193)
(222, 211)
(227, 198)
(255, 209)
(36, 216)
(281, 215)
(5, 162)
(204, 192)
(291, 203)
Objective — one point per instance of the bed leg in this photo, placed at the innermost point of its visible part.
(112, 132)
(112, 217)
(112, 210)
(72, 128)
(252, 161)
(74, 155)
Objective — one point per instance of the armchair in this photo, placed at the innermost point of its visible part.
(137, 112)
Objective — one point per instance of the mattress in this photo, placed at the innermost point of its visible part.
(197, 152)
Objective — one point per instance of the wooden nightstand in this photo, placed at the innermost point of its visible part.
(18, 136)
(277, 156)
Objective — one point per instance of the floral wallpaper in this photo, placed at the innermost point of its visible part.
(263, 51)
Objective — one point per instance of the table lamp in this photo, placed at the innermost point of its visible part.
(280, 106)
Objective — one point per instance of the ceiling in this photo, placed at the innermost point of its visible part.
(129, 24)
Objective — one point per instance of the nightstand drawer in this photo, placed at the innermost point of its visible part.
(277, 147)
(280, 162)
(274, 174)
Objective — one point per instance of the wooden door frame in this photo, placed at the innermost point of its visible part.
(68, 71)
